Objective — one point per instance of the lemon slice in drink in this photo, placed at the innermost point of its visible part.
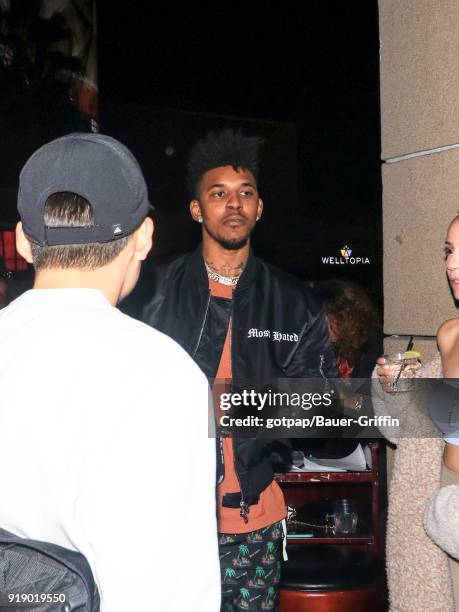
(411, 355)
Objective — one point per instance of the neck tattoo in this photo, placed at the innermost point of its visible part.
(226, 274)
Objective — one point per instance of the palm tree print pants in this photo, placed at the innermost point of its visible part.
(250, 566)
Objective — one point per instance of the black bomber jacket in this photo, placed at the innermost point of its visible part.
(278, 330)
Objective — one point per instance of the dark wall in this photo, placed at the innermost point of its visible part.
(313, 66)
(305, 76)
(161, 140)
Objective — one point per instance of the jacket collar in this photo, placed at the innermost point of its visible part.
(198, 269)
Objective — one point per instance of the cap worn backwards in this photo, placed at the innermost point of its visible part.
(94, 166)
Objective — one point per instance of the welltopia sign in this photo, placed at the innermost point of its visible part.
(346, 258)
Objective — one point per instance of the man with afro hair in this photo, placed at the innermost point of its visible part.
(239, 318)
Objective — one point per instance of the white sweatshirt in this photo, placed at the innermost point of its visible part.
(441, 519)
(104, 449)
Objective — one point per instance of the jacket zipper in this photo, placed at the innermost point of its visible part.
(321, 366)
(203, 324)
(243, 507)
(222, 458)
(322, 373)
(194, 353)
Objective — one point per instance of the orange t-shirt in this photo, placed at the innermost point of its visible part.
(271, 504)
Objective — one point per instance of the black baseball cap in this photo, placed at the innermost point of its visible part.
(94, 166)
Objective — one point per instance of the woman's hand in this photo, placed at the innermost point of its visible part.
(387, 372)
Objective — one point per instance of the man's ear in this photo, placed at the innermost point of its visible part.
(195, 210)
(260, 208)
(23, 244)
(143, 237)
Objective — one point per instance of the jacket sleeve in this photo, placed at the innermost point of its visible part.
(144, 301)
(151, 293)
(314, 354)
(441, 519)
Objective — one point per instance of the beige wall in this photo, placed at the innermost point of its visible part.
(426, 346)
(420, 111)
(420, 197)
(419, 75)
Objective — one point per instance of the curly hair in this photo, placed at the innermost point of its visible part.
(354, 315)
(224, 148)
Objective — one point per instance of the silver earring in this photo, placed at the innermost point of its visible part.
(199, 219)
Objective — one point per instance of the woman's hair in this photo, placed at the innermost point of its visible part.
(353, 314)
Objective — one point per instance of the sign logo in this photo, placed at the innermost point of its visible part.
(346, 251)
(345, 258)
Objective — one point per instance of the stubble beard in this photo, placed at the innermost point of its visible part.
(230, 245)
